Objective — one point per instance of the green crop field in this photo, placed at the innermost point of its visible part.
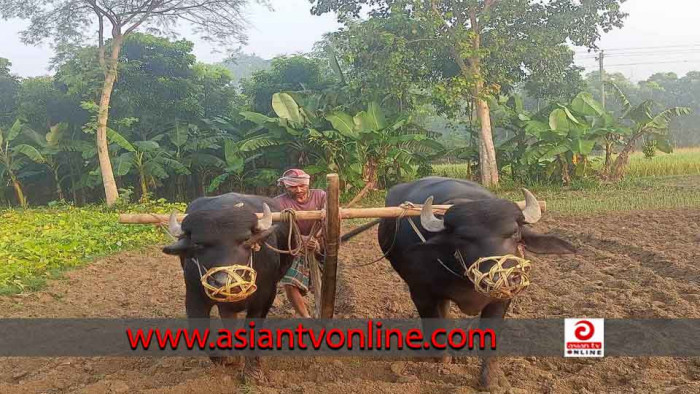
(684, 161)
(37, 244)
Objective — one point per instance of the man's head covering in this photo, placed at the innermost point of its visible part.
(294, 177)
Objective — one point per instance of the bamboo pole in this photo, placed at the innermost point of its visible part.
(345, 213)
(332, 240)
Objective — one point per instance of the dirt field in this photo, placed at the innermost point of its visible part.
(643, 265)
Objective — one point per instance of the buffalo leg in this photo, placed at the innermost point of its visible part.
(228, 316)
(253, 371)
(199, 309)
(491, 375)
(429, 310)
(444, 311)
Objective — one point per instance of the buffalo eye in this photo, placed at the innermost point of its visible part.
(517, 235)
(199, 245)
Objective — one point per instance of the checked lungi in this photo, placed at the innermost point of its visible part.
(299, 273)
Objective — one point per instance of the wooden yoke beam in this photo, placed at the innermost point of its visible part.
(345, 213)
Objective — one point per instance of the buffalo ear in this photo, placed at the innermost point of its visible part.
(545, 244)
(177, 248)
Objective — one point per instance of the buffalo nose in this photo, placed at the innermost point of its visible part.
(219, 279)
(509, 264)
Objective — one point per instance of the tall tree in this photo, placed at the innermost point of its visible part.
(69, 21)
(286, 73)
(495, 43)
(9, 87)
(243, 65)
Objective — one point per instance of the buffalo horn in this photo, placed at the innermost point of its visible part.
(428, 219)
(174, 227)
(265, 222)
(532, 211)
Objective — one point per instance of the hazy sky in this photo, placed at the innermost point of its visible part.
(665, 33)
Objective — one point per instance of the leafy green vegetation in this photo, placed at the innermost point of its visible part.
(37, 244)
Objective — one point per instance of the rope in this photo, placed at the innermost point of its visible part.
(406, 206)
(316, 279)
(418, 233)
(289, 215)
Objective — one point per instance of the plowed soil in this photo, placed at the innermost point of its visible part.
(632, 265)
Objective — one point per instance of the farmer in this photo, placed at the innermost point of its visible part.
(299, 197)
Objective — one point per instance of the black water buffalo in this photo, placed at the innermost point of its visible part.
(477, 225)
(223, 231)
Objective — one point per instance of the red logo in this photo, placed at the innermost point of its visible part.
(584, 337)
(584, 332)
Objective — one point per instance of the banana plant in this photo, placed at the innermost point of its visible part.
(643, 123)
(49, 150)
(10, 160)
(150, 161)
(196, 146)
(561, 139)
(382, 144)
(291, 135)
(235, 167)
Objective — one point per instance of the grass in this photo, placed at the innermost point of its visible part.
(665, 181)
(38, 244)
(458, 171)
(631, 194)
(590, 197)
(684, 161)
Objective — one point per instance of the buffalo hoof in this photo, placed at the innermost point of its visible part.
(494, 380)
(253, 374)
(222, 360)
(444, 359)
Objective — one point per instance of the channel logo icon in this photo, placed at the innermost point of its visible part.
(584, 337)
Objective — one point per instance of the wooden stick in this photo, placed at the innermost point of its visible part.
(346, 213)
(330, 265)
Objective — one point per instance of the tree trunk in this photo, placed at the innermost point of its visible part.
(565, 177)
(59, 190)
(72, 181)
(144, 186)
(487, 151)
(620, 164)
(608, 159)
(369, 173)
(18, 191)
(111, 193)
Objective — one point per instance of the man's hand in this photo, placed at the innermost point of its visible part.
(311, 243)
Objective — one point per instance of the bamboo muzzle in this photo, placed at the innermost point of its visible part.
(508, 276)
(239, 285)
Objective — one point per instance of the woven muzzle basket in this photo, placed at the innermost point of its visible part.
(240, 283)
(501, 282)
